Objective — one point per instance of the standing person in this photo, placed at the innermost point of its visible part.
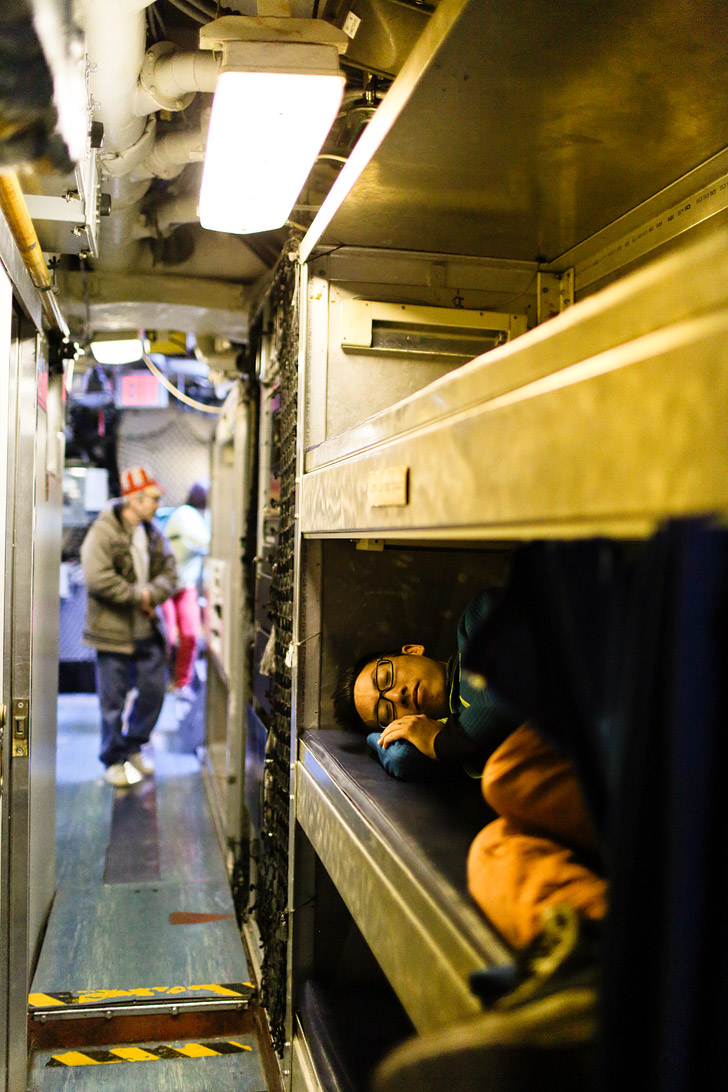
(129, 570)
(188, 532)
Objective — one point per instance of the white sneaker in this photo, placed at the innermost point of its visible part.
(141, 764)
(116, 775)
(133, 776)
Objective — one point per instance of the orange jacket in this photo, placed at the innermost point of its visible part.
(542, 849)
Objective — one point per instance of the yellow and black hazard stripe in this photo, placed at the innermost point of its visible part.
(241, 990)
(161, 1052)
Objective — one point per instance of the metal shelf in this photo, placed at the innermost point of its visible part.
(607, 419)
(519, 130)
(377, 839)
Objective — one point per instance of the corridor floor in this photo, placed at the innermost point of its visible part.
(142, 915)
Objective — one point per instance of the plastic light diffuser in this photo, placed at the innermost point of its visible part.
(117, 351)
(266, 130)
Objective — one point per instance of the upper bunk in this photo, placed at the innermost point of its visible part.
(576, 140)
(573, 135)
(604, 420)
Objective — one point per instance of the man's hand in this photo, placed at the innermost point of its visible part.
(145, 604)
(417, 729)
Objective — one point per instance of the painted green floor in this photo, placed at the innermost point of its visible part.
(175, 931)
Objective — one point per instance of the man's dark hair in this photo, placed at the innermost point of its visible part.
(343, 696)
(197, 496)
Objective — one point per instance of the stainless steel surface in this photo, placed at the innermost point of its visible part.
(679, 286)
(687, 203)
(47, 491)
(610, 446)
(8, 356)
(426, 941)
(303, 1070)
(83, 1012)
(342, 385)
(429, 277)
(386, 599)
(22, 875)
(236, 823)
(382, 32)
(538, 131)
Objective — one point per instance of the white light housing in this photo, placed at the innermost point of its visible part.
(266, 130)
(278, 94)
(117, 351)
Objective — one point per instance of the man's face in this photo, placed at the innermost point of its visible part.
(418, 686)
(145, 503)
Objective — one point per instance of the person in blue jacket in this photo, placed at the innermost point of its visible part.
(425, 716)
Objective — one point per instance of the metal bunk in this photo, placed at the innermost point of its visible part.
(578, 149)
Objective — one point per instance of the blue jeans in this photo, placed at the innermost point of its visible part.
(116, 674)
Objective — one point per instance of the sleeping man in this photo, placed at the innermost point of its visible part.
(427, 719)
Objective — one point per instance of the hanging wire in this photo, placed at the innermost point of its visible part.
(507, 303)
(187, 9)
(209, 9)
(155, 24)
(174, 391)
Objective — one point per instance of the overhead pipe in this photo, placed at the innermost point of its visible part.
(169, 80)
(115, 34)
(158, 157)
(115, 41)
(171, 153)
(21, 227)
(128, 86)
(177, 210)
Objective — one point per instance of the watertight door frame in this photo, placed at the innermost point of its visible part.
(7, 359)
(19, 356)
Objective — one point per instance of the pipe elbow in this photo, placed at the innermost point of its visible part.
(169, 80)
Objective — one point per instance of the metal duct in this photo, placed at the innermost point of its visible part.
(126, 84)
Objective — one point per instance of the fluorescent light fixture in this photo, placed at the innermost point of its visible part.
(277, 96)
(117, 350)
(266, 130)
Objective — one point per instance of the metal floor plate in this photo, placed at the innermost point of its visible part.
(126, 936)
(139, 926)
(196, 1068)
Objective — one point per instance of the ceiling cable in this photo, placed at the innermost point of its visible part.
(175, 391)
(187, 9)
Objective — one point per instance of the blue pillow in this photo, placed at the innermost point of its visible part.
(402, 760)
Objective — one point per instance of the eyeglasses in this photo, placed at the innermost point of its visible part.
(384, 680)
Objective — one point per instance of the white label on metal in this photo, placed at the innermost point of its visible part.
(709, 200)
(388, 487)
(351, 24)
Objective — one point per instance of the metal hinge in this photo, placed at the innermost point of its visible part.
(21, 727)
(555, 292)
